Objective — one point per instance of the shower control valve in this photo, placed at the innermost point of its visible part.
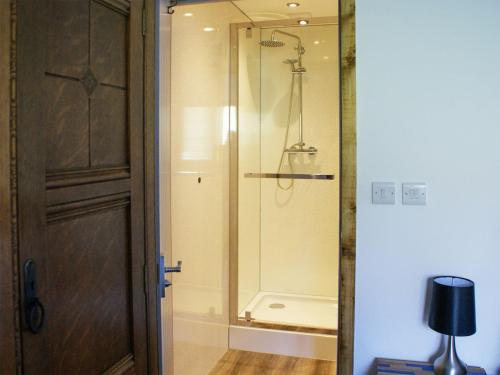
(300, 50)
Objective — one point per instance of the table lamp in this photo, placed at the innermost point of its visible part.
(452, 313)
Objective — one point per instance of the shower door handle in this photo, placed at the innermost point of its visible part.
(162, 270)
(177, 268)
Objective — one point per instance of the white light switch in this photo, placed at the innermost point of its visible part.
(415, 194)
(383, 193)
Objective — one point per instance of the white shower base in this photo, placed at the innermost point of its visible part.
(293, 309)
(295, 344)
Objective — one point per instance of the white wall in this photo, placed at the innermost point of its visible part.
(428, 92)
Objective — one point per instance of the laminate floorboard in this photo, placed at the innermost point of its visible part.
(238, 362)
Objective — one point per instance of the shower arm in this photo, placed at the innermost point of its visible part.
(300, 52)
(300, 49)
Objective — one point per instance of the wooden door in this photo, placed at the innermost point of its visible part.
(80, 169)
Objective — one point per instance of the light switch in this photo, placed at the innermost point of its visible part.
(415, 194)
(383, 193)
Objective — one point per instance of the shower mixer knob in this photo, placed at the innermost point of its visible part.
(301, 50)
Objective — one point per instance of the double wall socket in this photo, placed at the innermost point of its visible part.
(415, 194)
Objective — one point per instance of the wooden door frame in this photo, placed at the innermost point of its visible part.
(151, 146)
(347, 44)
(348, 175)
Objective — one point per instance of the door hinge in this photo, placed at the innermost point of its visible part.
(143, 22)
(170, 6)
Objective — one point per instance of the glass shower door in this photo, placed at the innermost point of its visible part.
(289, 211)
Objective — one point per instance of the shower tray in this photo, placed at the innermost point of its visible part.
(293, 309)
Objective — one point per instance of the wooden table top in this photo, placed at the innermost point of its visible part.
(395, 366)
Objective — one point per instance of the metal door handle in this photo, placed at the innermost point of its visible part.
(162, 270)
(178, 268)
(34, 312)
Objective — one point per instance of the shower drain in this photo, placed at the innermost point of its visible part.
(276, 306)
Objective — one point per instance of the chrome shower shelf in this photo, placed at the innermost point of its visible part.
(293, 176)
(309, 151)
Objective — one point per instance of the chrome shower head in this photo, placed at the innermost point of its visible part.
(272, 43)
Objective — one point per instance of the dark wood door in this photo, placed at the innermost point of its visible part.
(80, 154)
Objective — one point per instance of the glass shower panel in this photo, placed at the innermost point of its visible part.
(195, 196)
(248, 161)
(288, 228)
(299, 218)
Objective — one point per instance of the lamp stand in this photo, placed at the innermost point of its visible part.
(448, 363)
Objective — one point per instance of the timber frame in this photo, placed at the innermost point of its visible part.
(347, 42)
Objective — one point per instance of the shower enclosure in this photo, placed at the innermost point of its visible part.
(249, 149)
(284, 176)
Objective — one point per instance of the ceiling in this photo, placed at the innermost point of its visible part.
(264, 10)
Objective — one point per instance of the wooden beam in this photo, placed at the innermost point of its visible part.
(347, 186)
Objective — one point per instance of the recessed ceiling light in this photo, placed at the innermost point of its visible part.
(208, 29)
(292, 5)
(188, 14)
(326, 57)
(303, 22)
(316, 42)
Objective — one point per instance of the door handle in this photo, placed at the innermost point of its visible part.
(162, 270)
(177, 268)
(34, 312)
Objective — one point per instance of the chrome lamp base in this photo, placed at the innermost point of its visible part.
(448, 363)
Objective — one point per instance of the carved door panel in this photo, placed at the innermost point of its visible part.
(81, 176)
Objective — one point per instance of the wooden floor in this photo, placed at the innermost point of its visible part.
(249, 363)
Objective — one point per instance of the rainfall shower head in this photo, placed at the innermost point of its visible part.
(272, 43)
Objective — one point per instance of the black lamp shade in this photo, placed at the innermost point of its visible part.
(453, 310)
